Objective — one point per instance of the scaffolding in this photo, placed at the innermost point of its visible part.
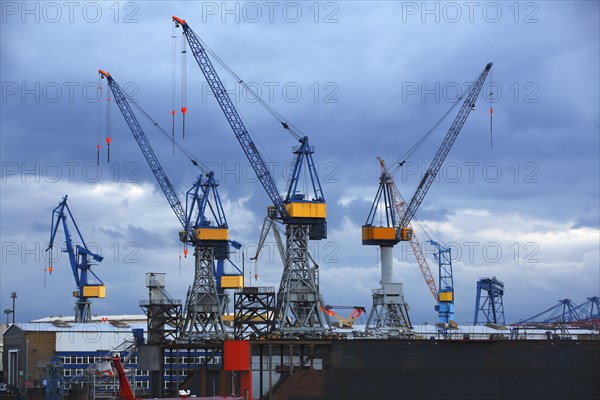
(253, 312)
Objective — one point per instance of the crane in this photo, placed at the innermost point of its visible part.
(343, 322)
(389, 307)
(80, 263)
(298, 308)
(204, 226)
(445, 305)
(488, 302)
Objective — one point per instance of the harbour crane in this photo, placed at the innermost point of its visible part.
(488, 301)
(445, 305)
(298, 307)
(204, 226)
(80, 263)
(389, 307)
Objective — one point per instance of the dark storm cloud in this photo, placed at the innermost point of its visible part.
(374, 77)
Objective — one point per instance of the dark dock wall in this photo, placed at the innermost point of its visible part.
(366, 369)
(424, 369)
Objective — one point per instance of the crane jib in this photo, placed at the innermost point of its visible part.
(444, 149)
(234, 119)
(148, 152)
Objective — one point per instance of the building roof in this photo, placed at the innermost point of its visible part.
(126, 318)
(90, 337)
(78, 327)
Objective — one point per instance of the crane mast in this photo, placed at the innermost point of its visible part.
(298, 307)
(203, 308)
(80, 264)
(390, 309)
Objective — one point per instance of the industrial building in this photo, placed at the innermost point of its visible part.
(31, 348)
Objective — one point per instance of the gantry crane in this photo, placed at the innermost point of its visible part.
(489, 301)
(204, 226)
(80, 263)
(298, 308)
(389, 307)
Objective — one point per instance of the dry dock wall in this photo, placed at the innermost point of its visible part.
(465, 369)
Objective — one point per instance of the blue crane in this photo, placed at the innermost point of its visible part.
(591, 308)
(298, 309)
(80, 263)
(565, 311)
(445, 305)
(204, 226)
(295, 207)
(488, 302)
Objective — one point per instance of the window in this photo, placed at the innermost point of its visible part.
(67, 372)
(67, 360)
(79, 360)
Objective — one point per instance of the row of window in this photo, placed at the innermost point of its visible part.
(65, 360)
(89, 360)
(79, 371)
(139, 385)
(191, 360)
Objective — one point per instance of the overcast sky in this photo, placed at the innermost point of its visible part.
(362, 79)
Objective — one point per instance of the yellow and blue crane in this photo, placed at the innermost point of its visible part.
(298, 307)
(204, 226)
(389, 307)
(81, 264)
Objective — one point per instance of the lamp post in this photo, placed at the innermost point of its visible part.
(13, 296)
